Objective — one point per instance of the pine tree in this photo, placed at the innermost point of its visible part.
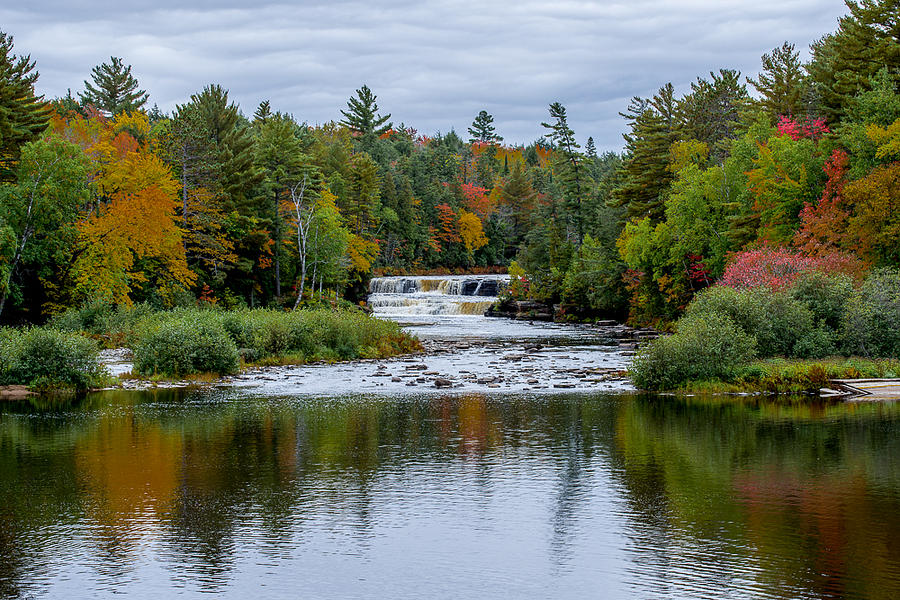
(262, 114)
(646, 177)
(362, 115)
(482, 129)
(781, 82)
(566, 164)
(845, 62)
(114, 89)
(23, 116)
(590, 149)
(712, 111)
(232, 138)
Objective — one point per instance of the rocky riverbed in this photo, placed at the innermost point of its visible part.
(463, 354)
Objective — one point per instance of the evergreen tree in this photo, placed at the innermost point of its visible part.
(566, 165)
(114, 88)
(262, 114)
(711, 112)
(781, 83)
(279, 156)
(23, 116)
(362, 206)
(232, 139)
(845, 62)
(362, 115)
(482, 129)
(590, 149)
(645, 174)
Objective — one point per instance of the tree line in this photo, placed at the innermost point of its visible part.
(106, 198)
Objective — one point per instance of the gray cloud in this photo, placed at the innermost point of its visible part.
(433, 63)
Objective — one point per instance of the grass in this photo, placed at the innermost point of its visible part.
(781, 376)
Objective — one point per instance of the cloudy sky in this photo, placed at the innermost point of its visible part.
(433, 63)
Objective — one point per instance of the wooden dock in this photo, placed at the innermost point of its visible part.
(869, 390)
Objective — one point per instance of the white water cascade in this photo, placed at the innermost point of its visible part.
(435, 295)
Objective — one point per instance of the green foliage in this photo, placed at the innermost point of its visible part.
(705, 346)
(825, 295)
(183, 343)
(594, 279)
(23, 116)
(482, 129)
(872, 317)
(775, 319)
(114, 89)
(47, 359)
(362, 115)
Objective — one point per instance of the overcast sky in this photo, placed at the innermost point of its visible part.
(432, 63)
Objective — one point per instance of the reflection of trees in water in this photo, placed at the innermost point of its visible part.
(778, 496)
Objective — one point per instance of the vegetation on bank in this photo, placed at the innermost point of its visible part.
(727, 330)
(45, 358)
(189, 341)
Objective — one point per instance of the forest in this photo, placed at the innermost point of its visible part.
(106, 199)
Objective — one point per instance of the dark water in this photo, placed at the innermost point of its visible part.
(165, 494)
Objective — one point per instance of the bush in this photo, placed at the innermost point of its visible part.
(705, 346)
(775, 319)
(182, 343)
(825, 295)
(48, 358)
(871, 324)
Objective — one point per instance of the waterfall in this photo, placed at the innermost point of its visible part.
(435, 295)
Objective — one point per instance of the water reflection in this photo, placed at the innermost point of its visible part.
(174, 492)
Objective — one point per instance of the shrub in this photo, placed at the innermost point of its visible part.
(705, 346)
(48, 358)
(182, 343)
(825, 295)
(779, 268)
(775, 319)
(871, 325)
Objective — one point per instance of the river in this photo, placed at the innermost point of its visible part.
(338, 482)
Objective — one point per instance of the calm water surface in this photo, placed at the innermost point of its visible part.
(588, 496)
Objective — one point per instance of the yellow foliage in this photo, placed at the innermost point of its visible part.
(887, 139)
(684, 153)
(133, 226)
(362, 253)
(471, 231)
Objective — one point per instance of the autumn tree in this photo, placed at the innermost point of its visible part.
(23, 115)
(113, 89)
(482, 129)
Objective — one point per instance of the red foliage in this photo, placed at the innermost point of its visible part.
(449, 231)
(697, 271)
(822, 226)
(810, 128)
(477, 200)
(778, 268)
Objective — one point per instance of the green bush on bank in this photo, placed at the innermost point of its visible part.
(872, 317)
(47, 358)
(182, 343)
(820, 316)
(204, 340)
(708, 345)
